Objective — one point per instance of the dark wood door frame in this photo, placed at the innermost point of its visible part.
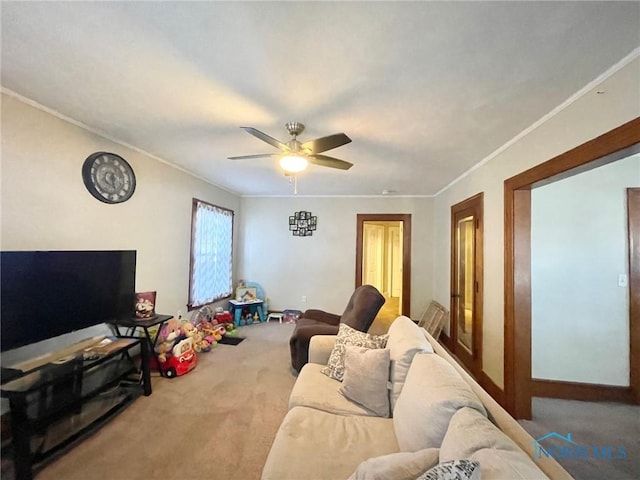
(602, 150)
(475, 206)
(633, 209)
(406, 251)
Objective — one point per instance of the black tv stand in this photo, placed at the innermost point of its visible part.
(8, 374)
(57, 403)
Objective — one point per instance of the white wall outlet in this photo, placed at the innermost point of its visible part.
(304, 299)
(622, 280)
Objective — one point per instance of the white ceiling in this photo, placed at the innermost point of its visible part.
(425, 90)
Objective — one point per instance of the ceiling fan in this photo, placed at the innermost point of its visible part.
(295, 156)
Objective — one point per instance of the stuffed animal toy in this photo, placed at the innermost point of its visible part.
(169, 333)
(171, 329)
(162, 350)
(188, 329)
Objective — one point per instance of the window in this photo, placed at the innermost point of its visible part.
(211, 269)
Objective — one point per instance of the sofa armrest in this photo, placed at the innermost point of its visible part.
(322, 316)
(320, 348)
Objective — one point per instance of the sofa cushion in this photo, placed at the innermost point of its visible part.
(454, 470)
(366, 374)
(472, 435)
(349, 336)
(314, 444)
(397, 466)
(405, 340)
(432, 393)
(316, 390)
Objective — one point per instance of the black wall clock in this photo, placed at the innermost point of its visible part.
(108, 177)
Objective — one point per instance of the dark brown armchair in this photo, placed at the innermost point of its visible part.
(361, 310)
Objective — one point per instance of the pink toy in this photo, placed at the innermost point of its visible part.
(169, 333)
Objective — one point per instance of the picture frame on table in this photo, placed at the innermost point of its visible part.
(145, 305)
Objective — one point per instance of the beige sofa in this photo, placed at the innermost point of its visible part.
(439, 414)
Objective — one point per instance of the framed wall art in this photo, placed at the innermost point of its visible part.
(302, 224)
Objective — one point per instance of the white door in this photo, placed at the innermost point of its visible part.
(395, 241)
(373, 250)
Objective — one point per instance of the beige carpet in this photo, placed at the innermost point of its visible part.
(217, 422)
(387, 314)
(591, 424)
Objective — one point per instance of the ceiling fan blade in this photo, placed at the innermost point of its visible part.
(326, 161)
(266, 138)
(326, 143)
(258, 155)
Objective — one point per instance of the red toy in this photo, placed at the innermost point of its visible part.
(223, 317)
(182, 361)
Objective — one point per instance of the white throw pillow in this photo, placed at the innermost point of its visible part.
(349, 336)
(455, 470)
(471, 435)
(366, 374)
(432, 393)
(396, 466)
(406, 339)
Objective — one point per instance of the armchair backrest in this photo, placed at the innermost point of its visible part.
(363, 306)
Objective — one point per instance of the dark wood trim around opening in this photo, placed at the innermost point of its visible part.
(492, 389)
(471, 206)
(517, 267)
(633, 219)
(406, 251)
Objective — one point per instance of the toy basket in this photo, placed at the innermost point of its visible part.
(291, 316)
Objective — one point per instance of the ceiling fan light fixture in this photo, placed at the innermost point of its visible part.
(293, 163)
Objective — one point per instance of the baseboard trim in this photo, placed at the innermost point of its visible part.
(581, 391)
(492, 389)
(445, 340)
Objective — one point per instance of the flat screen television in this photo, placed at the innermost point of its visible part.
(44, 294)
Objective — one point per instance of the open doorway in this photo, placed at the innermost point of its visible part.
(605, 149)
(383, 259)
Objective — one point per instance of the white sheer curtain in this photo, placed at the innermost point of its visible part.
(211, 253)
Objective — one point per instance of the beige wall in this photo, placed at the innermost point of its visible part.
(322, 267)
(579, 247)
(586, 118)
(45, 205)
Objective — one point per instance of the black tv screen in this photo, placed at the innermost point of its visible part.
(46, 294)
